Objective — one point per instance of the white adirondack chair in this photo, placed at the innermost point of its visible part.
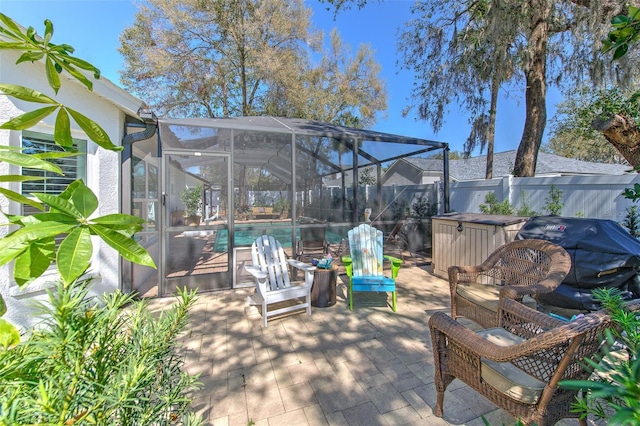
(273, 285)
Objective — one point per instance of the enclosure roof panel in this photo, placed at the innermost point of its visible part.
(301, 127)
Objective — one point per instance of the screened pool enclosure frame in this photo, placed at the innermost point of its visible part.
(208, 187)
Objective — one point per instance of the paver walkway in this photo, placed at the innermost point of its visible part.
(369, 366)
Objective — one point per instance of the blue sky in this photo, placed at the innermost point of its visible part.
(92, 27)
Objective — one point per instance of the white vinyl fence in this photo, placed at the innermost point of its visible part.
(582, 196)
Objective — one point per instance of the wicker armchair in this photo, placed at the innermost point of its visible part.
(518, 365)
(520, 270)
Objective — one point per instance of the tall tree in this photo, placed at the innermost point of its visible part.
(614, 114)
(549, 41)
(243, 57)
(455, 62)
(572, 134)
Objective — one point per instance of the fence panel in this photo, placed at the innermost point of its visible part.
(581, 196)
(467, 196)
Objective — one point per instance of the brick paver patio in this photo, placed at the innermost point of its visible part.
(369, 366)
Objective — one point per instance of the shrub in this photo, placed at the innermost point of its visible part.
(632, 221)
(553, 203)
(492, 206)
(94, 363)
(615, 394)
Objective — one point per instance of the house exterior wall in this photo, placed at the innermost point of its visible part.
(108, 105)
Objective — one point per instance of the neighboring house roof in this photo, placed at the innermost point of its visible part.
(474, 168)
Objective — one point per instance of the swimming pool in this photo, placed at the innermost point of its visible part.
(246, 237)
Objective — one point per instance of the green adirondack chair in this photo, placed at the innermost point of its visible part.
(365, 263)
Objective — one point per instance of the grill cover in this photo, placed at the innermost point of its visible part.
(603, 254)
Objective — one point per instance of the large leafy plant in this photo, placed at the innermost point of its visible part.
(68, 215)
(111, 363)
(614, 394)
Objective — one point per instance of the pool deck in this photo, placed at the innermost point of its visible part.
(369, 366)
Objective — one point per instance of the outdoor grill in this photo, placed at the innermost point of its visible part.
(603, 254)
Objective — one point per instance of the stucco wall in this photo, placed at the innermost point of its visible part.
(103, 166)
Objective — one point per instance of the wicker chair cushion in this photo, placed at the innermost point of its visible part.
(506, 377)
(486, 296)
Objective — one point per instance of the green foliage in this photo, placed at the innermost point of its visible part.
(615, 394)
(524, 209)
(32, 246)
(572, 131)
(192, 200)
(261, 53)
(553, 203)
(632, 194)
(632, 221)
(492, 206)
(625, 32)
(422, 209)
(91, 362)
(366, 176)
(57, 58)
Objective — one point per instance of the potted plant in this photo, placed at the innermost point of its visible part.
(192, 200)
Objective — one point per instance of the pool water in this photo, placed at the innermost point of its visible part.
(246, 237)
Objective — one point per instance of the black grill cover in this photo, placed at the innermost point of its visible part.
(603, 254)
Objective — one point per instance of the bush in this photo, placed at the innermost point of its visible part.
(632, 221)
(615, 395)
(492, 206)
(553, 203)
(98, 364)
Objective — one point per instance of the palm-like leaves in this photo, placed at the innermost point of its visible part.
(32, 246)
(69, 214)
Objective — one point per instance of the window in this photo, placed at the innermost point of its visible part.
(73, 167)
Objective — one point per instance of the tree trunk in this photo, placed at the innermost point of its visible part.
(491, 128)
(623, 134)
(536, 92)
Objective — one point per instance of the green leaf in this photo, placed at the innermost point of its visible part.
(19, 198)
(34, 261)
(59, 203)
(62, 130)
(68, 192)
(48, 31)
(619, 20)
(30, 57)
(28, 119)
(84, 200)
(26, 94)
(52, 75)
(3, 306)
(620, 51)
(127, 247)
(9, 335)
(18, 178)
(15, 243)
(12, 46)
(80, 63)
(74, 73)
(94, 131)
(47, 217)
(74, 254)
(9, 23)
(56, 154)
(29, 161)
(118, 219)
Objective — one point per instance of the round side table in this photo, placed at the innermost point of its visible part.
(323, 291)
